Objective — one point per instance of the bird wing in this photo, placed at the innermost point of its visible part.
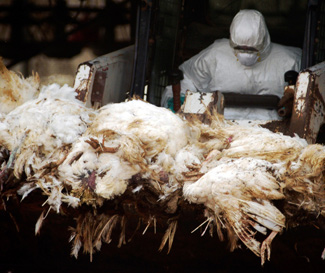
(240, 192)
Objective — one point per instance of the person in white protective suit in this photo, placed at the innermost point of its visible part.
(247, 63)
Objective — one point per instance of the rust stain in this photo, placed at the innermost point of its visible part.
(278, 126)
(82, 90)
(318, 95)
(81, 94)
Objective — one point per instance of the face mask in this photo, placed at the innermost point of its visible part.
(247, 59)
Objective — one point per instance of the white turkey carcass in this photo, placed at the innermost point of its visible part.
(306, 177)
(38, 134)
(239, 193)
(126, 139)
(226, 139)
(242, 179)
(131, 148)
(305, 189)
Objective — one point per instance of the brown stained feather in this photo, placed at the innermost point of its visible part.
(208, 225)
(122, 240)
(135, 124)
(133, 152)
(218, 136)
(104, 232)
(169, 236)
(209, 219)
(244, 234)
(220, 225)
(106, 133)
(75, 157)
(305, 185)
(15, 89)
(131, 147)
(39, 223)
(91, 230)
(76, 240)
(82, 235)
(148, 225)
(239, 221)
(136, 229)
(52, 166)
(77, 244)
(172, 235)
(100, 147)
(232, 238)
(271, 156)
(9, 77)
(151, 146)
(86, 229)
(237, 226)
(5, 73)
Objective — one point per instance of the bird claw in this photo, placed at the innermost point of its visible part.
(266, 247)
(100, 147)
(265, 250)
(192, 175)
(194, 172)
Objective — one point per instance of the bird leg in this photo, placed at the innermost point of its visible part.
(94, 143)
(192, 176)
(266, 246)
(194, 172)
(100, 147)
(210, 160)
(214, 154)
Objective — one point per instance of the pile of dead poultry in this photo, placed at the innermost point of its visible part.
(136, 158)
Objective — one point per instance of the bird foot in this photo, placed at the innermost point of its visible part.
(100, 147)
(266, 247)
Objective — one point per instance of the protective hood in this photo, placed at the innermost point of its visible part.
(248, 29)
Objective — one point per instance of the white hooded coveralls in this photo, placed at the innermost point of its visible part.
(217, 68)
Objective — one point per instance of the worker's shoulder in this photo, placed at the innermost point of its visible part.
(285, 52)
(220, 46)
(219, 50)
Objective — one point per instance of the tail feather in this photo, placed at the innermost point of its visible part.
(265, 214)
(245, 234)
(248, 217)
